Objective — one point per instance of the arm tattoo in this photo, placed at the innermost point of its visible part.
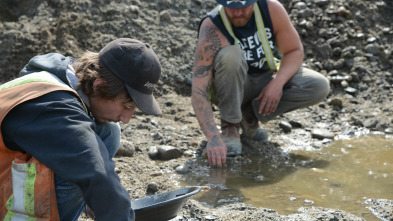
(210, 126)
(209, 45)
(214, 40)
(202, 71)
(214, 45)
(208, 52)
(202, 93)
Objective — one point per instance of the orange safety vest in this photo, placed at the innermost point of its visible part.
(27, 187)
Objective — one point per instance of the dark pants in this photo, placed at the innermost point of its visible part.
(233, 87)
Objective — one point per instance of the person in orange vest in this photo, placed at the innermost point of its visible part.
(60, 130)
(237, 68)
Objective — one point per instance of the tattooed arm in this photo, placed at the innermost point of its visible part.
(209, 43)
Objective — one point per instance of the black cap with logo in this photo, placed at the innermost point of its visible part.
(136, 64)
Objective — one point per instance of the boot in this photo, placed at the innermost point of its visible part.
(230, 136)
(250, 126)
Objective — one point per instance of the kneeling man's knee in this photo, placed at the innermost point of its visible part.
(230, 60)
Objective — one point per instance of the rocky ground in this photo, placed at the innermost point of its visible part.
(350, 42)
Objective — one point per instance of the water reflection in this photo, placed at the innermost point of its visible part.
(340, 176)
(226, 184)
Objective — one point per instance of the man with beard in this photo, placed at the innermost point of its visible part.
(237, 68)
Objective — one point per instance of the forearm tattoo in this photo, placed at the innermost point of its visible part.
(208, 48)
(202, 71)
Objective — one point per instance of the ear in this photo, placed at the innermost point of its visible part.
(98, 82)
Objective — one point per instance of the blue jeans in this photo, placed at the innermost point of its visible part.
(69, 196)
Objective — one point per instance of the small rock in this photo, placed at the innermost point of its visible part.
(308, 202)
(168, 153)
(344, 84)
(189, 153)
(339, 78)
(169, 103)
(153, 152)
(351, 90)
(154, 122)
(321, 134)
(157, 136)
(296, 124)
(370, 123)
(151, 188)
(321, 2)
(285, 126)
(182, 169)
(126, 149)
(355, 77)
(134, 9)
(382, 126)
(372, 49)
(343, 12)
(356, 121)
(165, 16)
(300, 6)
(210, 218)
(336, 102)
(388, 131)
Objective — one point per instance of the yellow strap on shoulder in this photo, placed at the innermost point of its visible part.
(271, 60)
(227, 24)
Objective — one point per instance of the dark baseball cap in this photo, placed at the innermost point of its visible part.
(235, 3)
(136, 64)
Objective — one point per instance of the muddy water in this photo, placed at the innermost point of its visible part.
(341, 176)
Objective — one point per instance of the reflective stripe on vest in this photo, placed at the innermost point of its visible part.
(22, 200)
(42, 76)
(261, 33)
(27, 186)
(33, 194)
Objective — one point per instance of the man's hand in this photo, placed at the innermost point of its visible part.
(216, 151)
(269, 97)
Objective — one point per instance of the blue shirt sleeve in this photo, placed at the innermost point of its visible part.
(56, 130)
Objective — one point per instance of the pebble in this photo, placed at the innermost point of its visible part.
(165, 16)
(151, 188)
(168, 152)
(388, 131)
(351, 90)
(321, 134)
(134, 9)
(126, 149)
(285, 126)
(295, 124)
(182, 169)
(370, 123)
(210, 218)
(356, 121)
(337, 102)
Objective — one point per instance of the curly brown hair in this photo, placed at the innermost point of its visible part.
(88, 68)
